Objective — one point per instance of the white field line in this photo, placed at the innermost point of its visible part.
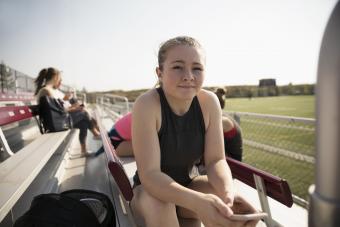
(281, 125)
(286, 153)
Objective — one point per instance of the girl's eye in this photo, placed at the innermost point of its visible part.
(198, 69)
(177, 67)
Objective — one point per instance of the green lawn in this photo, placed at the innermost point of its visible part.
(288, 135)
(297, 106)
(293, 137)
(299, 175)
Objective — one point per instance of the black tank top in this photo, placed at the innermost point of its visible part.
(181, 140)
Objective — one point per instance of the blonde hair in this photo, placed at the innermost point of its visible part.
(177, 41)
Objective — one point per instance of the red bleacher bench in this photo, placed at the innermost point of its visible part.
(265, 183)
(19, 170)
(11, 114)
(117, 171)
(276, 187)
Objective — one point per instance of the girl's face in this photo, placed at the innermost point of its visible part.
(183, 72)
(57, 81)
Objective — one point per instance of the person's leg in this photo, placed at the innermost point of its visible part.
(82, 126)
(152, 211)
(83, 149)
(124, 149)
(189, 222)
(92, 124)
(83, 118)
(201, 184)
(94, 129)
(95, 124)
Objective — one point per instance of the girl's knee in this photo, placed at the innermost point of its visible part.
(153, 210)
(156, 206)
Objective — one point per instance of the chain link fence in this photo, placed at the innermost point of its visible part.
(283, 146)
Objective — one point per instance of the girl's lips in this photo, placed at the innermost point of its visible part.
(186, 86)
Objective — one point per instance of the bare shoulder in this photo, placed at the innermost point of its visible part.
(147, 108)
(210, 106)
(146, 113)
(149, 99)
(208, 100)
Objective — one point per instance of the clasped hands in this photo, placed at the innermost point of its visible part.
(218, 212)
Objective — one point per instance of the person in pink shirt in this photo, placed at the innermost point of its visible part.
(120, 136)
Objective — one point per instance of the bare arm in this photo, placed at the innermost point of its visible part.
(147, 153)
(218, 171)
(74, 108)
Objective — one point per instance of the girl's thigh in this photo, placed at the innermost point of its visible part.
(200, 184)
(142, 199)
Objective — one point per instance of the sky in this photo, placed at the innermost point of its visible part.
(105, 45)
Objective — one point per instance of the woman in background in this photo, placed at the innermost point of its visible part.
(47, 84)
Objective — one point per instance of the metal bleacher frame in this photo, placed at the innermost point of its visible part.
(20, 170)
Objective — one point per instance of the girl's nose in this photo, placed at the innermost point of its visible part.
(188, 75)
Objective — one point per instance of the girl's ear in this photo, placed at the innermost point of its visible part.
(158, 72)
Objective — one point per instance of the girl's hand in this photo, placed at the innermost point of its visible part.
(212, 211)
(228, 198)
(242, 206)
(67, 96)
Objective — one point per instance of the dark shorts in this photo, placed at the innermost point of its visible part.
(184, 181)
(115, 138)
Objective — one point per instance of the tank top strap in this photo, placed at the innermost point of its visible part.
(165, 109)
(162, 99)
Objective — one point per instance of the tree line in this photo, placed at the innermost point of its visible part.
(244, 91)
(256, 91)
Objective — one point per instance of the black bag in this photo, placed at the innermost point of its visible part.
(74, 208)
(53, 116)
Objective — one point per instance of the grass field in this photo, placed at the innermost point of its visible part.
(298, 174)
(297, 138)
(297, 106)
(289, 135)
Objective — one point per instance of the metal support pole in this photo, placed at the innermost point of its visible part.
(325, 196)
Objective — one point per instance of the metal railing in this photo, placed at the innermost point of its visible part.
(281, 145)
(116, 103)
